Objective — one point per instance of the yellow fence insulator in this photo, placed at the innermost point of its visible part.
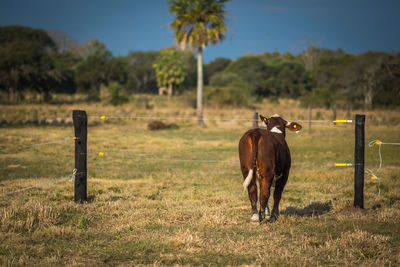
(343, 164)
(343, 121)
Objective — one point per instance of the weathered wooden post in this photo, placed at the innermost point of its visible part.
(309, 119)
(80, 126)
(348, 110)
(255, 120)
(359, 162)
(334, 114)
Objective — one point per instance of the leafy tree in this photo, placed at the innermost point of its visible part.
(252, 70)
(28, 60)
(12, 34)
(236, 94)
(90, 47)
(117, 70)
(189, 83)
(91, 73)
(358, 77)
(118, 94)
(319, 97)
(225, 78)
(217, 65)
(274, 76)
(310, 56)
(64, 80)
(388, 82)
(276, 58)
(291, 79)
(198, 23)
(170, 68)
(99, 67)
(329, 67)
(63, 41)
(141, 74)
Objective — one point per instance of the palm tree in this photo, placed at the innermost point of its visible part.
(198, 23)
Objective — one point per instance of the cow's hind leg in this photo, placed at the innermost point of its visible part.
(279, 185)
(252, 189)
(265, 189)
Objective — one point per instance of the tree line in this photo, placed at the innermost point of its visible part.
(46, 63)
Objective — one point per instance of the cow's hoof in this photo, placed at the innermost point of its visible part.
(272, 218)
(255, 218)
(263, 215)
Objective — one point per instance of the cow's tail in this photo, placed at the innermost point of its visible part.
(247, 181)
(254, 150)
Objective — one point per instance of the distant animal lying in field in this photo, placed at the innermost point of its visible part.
(265, 158)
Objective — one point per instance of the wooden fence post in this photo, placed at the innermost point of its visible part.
(255, 120)
(80, 126)
(359, 162)
(348, 110)
(309, 119)
(334, 114)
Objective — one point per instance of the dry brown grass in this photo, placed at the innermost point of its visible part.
(144, 210)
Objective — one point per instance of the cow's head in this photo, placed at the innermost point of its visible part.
(276, 124)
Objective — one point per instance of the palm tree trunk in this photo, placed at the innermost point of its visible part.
(200, 87)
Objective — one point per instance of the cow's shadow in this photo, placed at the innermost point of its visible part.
(314, 209)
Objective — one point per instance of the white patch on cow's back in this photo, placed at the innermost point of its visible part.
(276, 130)
(275, 115)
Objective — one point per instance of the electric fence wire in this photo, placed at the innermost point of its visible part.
(104, 117)
(372, 143)
(40, 144)
(379, 143)
(375, 177)
(33, 162)
(71, 176)
(147, 158)
(41, 161)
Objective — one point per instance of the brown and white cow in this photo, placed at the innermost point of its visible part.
(265, 158)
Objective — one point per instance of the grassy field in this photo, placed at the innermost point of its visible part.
(175, 196)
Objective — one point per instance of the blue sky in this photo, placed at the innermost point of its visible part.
(254, 25)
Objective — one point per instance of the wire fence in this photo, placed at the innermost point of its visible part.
(106, 117)
(39, 144)
(71, 176)
(374, 177)
(19, 149)
(172, 159)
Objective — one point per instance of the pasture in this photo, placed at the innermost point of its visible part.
(175, 196)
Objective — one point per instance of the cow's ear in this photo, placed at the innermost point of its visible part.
(264, 121)
(293, 126)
